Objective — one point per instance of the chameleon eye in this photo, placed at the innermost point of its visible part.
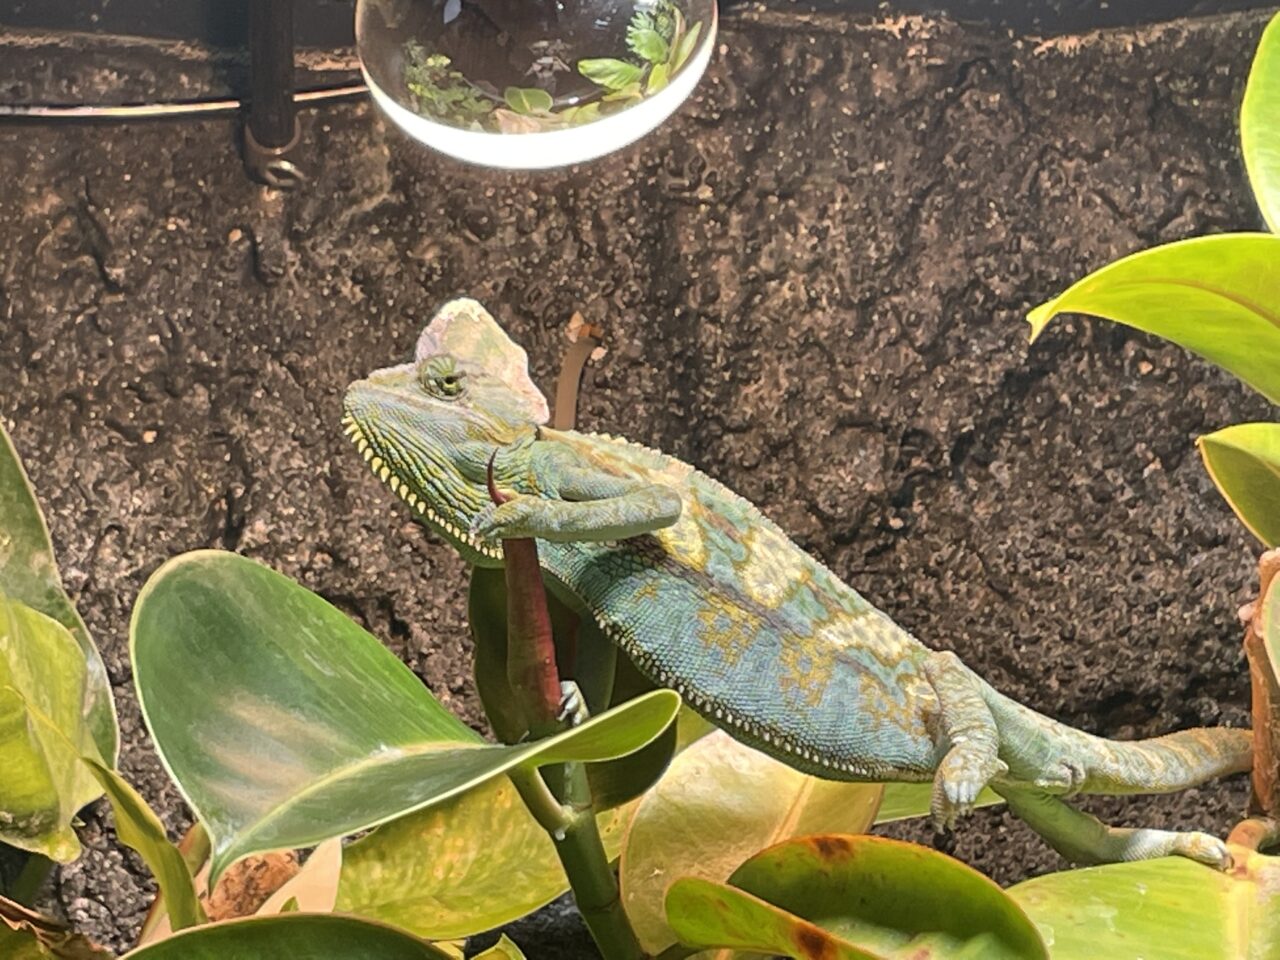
(441, 378)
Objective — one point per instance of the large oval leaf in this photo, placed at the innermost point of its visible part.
(29, 574)
(1260, 125)
(1167, 909)
(474, 862)
(298, 936)
(461, 867)
(1216, 296)
(719, 803)
(854, 896)
(1244, 462)
(285, 724)
(42, 733)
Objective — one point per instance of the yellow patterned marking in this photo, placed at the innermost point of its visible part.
(684, 540)
(770, 574)
(801, 676)
(727, 628)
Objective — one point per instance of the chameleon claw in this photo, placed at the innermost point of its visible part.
(573, 705)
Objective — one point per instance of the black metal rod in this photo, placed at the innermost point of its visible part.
(271, 109)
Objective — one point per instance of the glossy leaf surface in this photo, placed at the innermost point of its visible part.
(472, 863)
(1244, 462)
(138, 827)
(1167, 909)
(467, 865)
(285, 724)
(718, 804)
(1217, 296)
(854, 896)
(42, 733)
(1260, 125)
(29, 574)
(297, 936)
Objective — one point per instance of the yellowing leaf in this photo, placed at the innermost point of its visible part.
(43, 731)
(465, 866)
(718, 804)
(1244, 461)
(29, 575)
(1166, 909)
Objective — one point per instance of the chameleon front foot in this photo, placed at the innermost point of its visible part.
(573, 705)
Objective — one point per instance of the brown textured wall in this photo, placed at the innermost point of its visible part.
(813, 282)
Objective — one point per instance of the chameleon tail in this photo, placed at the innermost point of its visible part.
(1062, 759)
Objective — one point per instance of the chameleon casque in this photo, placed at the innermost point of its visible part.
(709, 597)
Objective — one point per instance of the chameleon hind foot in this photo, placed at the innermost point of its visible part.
(1085, 839)
(964, 771)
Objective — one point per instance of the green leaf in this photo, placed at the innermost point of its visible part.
(29, 574)
(1244, 461)
(854, 897)
(1166, 909)
(719, 803)
(611, 74)
(504, 949)
(646, 42)
(139, 828)
(657, 79)
(42, 733)
(1217, 296)
(298, 936)
(686, 46)
(528, 100)
(285, 724)
(1260, 125)
(903, 801)
(461, 867)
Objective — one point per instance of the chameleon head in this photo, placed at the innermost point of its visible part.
(428, 428)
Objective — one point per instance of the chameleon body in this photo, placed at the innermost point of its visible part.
(709, 597)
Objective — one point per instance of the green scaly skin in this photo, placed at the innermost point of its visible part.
(709, 597)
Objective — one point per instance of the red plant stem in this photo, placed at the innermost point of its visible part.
(531, 648)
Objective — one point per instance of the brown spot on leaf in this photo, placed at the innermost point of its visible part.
(813, 943)
(831, 847)
(247, 884)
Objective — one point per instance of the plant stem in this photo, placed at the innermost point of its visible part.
(564, 809)
(1266, 700)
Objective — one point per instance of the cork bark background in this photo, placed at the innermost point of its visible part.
(813, 283)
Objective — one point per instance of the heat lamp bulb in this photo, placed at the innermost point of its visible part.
(529, 84)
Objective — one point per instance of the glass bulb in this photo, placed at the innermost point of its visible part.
(526, 84)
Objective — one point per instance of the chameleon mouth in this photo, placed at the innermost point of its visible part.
(417, 504)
